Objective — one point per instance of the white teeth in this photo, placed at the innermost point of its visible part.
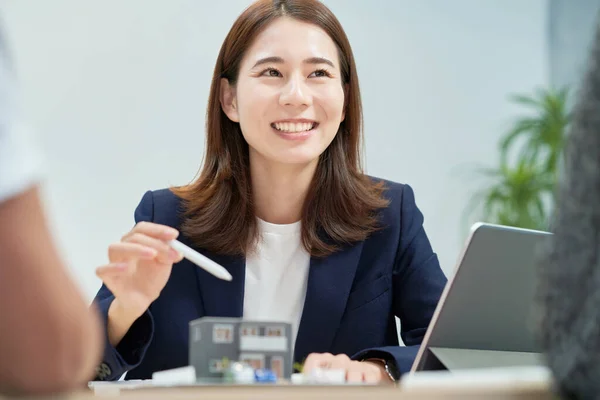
(294, 127)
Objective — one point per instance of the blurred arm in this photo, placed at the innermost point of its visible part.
(50, 341)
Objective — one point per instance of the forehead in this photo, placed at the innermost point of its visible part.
(292, 40)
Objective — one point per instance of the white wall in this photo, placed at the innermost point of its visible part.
(117, 92)
(572, 28)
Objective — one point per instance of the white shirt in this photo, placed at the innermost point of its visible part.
(276, 276)
(19, 160)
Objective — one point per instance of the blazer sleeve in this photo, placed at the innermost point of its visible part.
(130, 351)
(418, 282)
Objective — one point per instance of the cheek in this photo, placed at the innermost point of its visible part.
(333, 99)
(332, 102)
(252, 111)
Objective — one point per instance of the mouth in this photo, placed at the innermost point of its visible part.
(292, 127)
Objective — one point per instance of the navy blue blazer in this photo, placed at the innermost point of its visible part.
(351, 300)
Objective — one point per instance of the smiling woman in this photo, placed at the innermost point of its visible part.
(298, 91)
(285, 105)
(282, 202)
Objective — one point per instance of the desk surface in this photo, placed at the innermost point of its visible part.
(293, 392)
(492, 384)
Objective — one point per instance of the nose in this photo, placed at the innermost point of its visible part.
(295, 93)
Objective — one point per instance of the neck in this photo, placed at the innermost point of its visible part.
(279, 190)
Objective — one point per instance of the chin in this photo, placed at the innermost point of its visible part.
(295, 158)
(301, 155)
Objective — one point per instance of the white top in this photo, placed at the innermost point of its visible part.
(19, 161)
(276, 276)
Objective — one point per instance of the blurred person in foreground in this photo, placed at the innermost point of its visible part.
(49, 339)
(570, 267)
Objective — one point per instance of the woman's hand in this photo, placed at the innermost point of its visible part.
(356, 371)
(139, 268)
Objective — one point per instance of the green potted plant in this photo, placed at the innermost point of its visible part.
(520, 190)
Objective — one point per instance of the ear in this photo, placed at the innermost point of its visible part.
(228, 100)
(346, 89)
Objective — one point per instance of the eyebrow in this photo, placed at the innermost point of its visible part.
(279, 60)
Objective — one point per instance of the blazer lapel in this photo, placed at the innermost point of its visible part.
(223, 298)
(329, 283)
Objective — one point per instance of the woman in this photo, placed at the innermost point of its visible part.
(283, 204)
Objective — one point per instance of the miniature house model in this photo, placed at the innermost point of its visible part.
(214, 341)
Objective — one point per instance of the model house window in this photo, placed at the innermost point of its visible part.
(256, 361)
(249, 330)
(275, 331)
(223, 333)
(277, 366)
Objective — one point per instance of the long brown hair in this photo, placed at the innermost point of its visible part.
(342, 202)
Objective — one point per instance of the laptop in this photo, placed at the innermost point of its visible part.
(485, 317)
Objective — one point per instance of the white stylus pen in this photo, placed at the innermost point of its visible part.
(201, 261)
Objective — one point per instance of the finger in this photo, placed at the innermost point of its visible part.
(372, 377)
(373, 372)
(316, 360)
(148, 241)
(354, 376)
(341, 361)
(111, 270)
(165, 254)
(158, 231)
(118, 252)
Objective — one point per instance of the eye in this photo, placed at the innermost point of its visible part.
(321, 73)
(271, 72)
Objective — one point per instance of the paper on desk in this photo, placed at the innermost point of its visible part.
(176, 376)
(115, 387)
(183, 376)
(538, 376)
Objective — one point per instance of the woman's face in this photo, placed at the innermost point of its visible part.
(289, 97)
